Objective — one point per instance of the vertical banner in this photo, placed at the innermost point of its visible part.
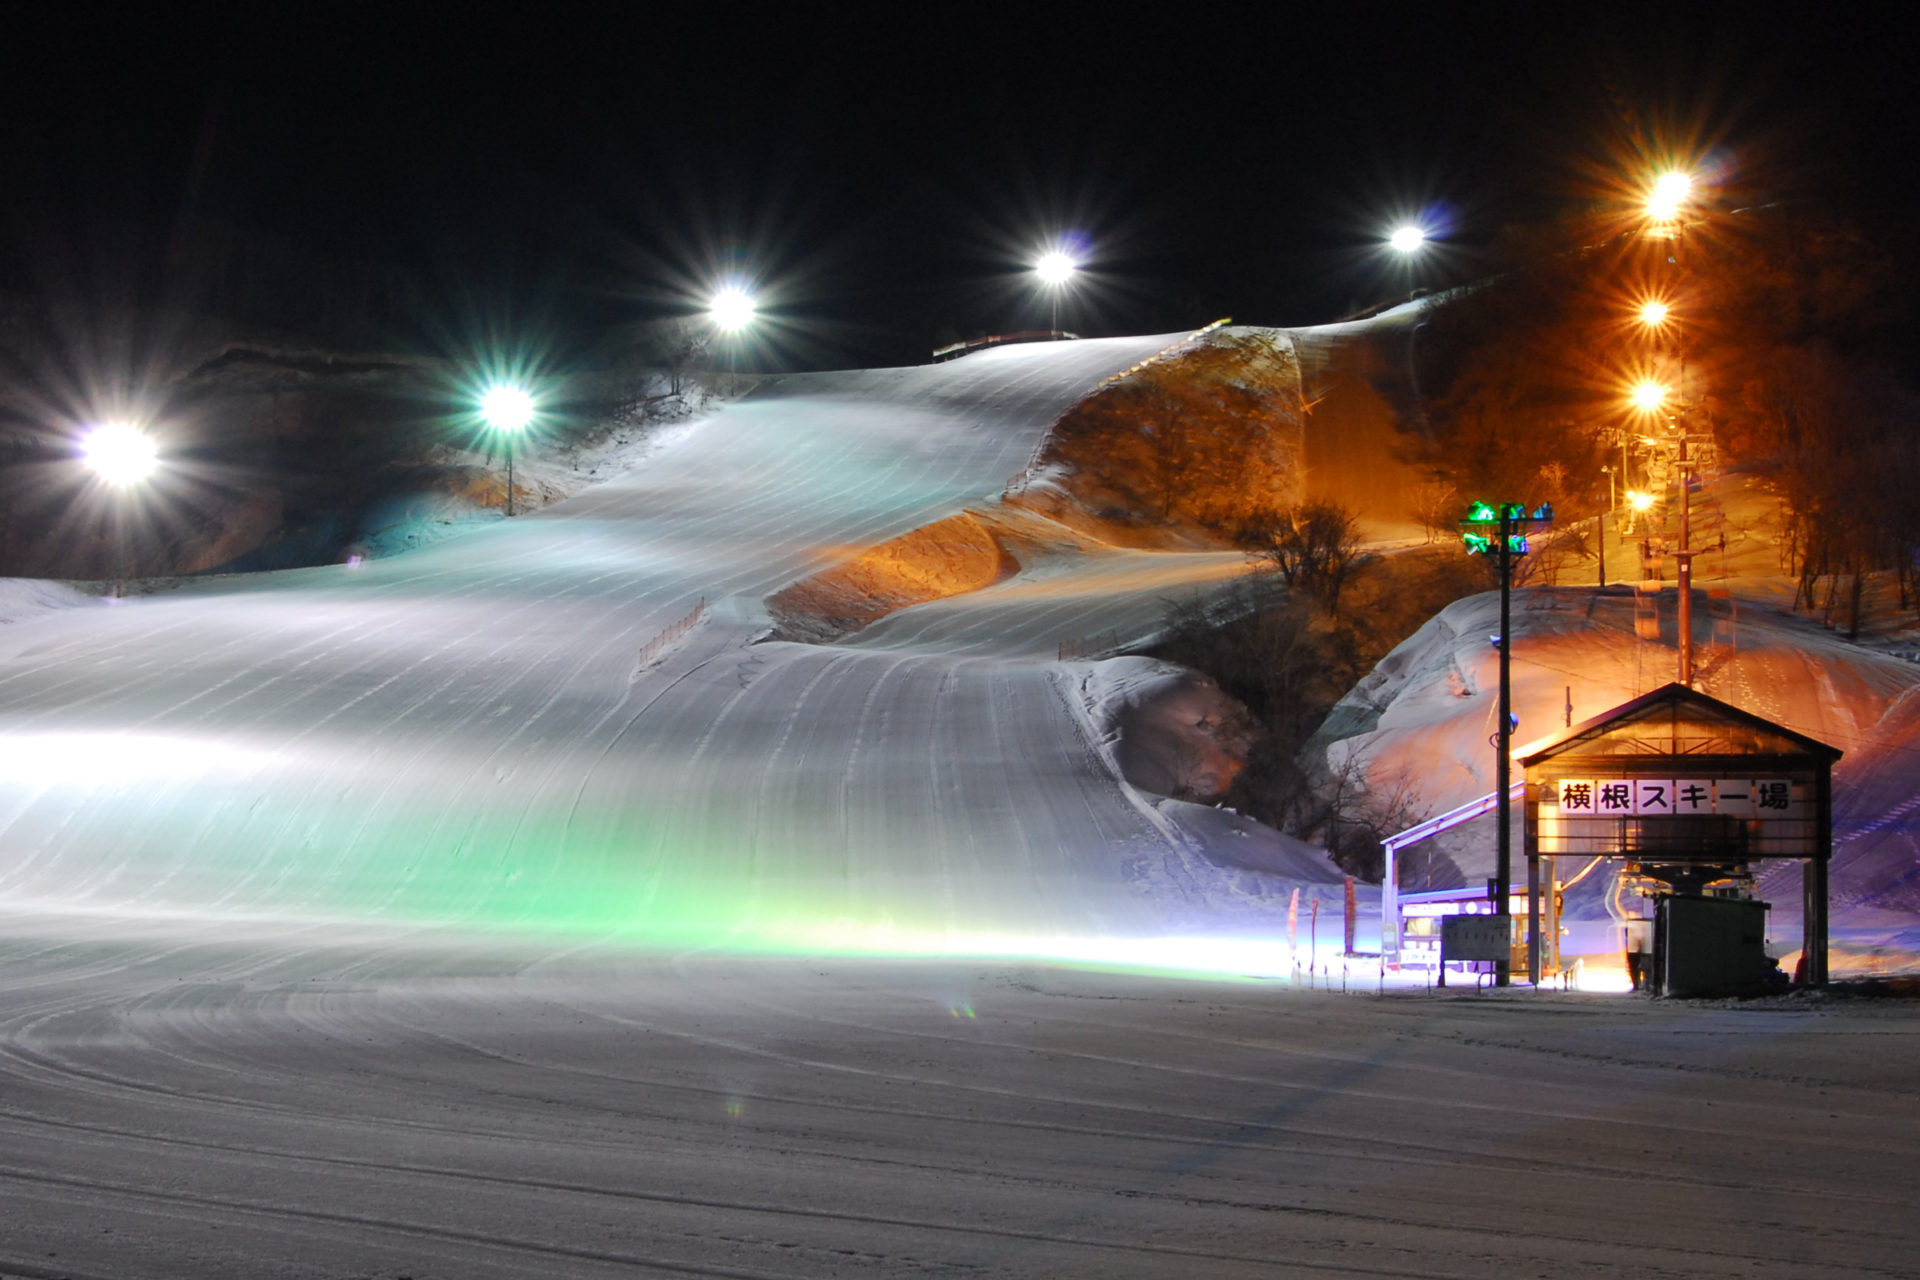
(1293, 920)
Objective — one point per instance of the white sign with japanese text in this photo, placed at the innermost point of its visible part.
(1647, 797)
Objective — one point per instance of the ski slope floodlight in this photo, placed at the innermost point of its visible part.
(1639, 501)
(1055, 268)
(1648, 396)
(120, 454)
(1654, 313)
(1408, 239)
(506, 408)
(1669, 195)
(732, 309)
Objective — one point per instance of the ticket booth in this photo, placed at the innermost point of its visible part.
(1687, 792)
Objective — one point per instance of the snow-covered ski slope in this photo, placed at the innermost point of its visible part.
(481, 733)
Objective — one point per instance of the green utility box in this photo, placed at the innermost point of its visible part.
(1710, 947)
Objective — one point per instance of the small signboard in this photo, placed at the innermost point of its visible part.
(1464, 937)
(1747, 798)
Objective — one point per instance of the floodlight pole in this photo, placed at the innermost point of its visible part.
(1684, 559)
(509, 442)
(1601, 525)
(121, 559)
(1509, 521)
(1503, 763)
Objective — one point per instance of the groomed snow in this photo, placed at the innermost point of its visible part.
(325, 1103)
(481, 732)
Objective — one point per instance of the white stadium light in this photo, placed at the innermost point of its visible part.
(1056, 268)
(1407, 239)
(506, 408)
(732, 309)
(121, 454)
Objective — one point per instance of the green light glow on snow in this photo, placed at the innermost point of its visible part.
(218, 832)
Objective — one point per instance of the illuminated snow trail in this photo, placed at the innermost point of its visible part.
(465, 735)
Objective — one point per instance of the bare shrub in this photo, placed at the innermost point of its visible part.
(1315, 548)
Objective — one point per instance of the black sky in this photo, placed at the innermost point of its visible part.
(882, 173)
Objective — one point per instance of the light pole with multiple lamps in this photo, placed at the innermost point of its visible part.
(1665, 205)
(507, 409)
(1501, 531)
(122, 456)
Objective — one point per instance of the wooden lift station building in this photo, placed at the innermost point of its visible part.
(1688, 791)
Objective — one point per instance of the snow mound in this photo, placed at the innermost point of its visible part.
(1172, 731)
(948, 557)
(25, 598)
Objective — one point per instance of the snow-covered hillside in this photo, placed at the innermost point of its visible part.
(576, 720)
(588, 720)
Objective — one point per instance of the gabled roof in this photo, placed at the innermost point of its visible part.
(1671, 702)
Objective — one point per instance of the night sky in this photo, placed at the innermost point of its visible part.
(882, 175)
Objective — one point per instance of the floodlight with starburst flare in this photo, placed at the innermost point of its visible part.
(1055, 268)
(120, 454)
(506, 408)
(732, 309)
(1648, 396)
(1669, 195)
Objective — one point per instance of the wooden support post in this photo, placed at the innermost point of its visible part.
(1813, 929)
(1814, 880)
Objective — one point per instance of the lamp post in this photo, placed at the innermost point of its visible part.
(122, 456)
(507, 410)
(1651, 398)
(1501, 531)
(732, 310)
(1626, 474)
(1602, 524)
(1665, 205)
(1056, 270)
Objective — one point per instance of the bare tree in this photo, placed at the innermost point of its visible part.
(1356, 813)
(1315, 548)
(1436, 505)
